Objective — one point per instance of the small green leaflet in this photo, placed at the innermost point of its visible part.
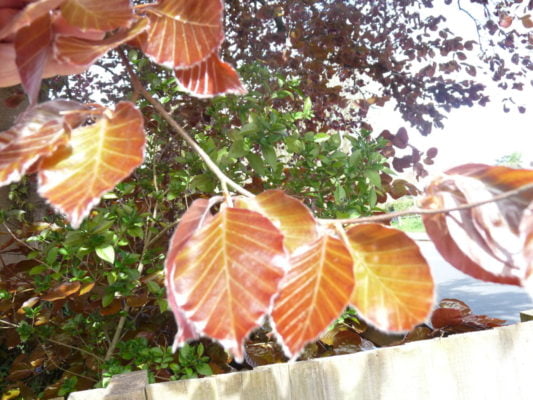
(106, 253)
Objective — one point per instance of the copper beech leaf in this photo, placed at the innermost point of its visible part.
(183, 33)
(196, 216)
(225, 276)
(453, 314)
(101, 15)
(395, 289)
(316, 289)
(489, 242)
(79, 51)
(209, 78)
(27, 15)
(293, 218)
(62, 291)
(98, 157)
(37, 133)
(32, 47)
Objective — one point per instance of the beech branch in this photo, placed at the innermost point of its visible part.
(383, 217)
(139, 88)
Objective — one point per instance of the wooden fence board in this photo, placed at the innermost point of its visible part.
(493, 365)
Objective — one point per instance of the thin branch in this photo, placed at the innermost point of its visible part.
(196, 147)
(74, 348)
(383, 217)
(475, 22)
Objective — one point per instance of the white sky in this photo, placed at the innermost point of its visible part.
(477, 134)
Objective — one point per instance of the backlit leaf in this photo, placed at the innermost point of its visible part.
(183, 33)
(209, 78)
(288, 213)
(226, 274)
(62, 291)
(78, 51)
(196, 216)
(29, 14)
(32, 46)
(101, 155)
(488, 242)
(38, 132)
(106, 253)
(102, 15)
(316, 289)
(394, 285)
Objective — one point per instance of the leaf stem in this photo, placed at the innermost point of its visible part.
(382, 217)
(138, 86)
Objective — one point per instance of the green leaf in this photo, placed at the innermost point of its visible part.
(204, 369)
(372, 197)
(153, 287)
(340, 194)
(38, 269)
(51, 257)
(373, 177)
(321, 137)
(106, 253)
(256, 163)
(108, 299)
(355, 157)
(308, 106)
(270, 156)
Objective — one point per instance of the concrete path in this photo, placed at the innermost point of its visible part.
(492, 299)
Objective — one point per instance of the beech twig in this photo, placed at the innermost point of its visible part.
(166, 116)
(382, 217)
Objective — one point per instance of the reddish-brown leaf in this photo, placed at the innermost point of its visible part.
(487, 242)
(101, 155)
(315, 291)
(288, 213)
(38, 132)
(455, 314)
(62, 291)
(210, 78)
(395, 289)
(225, 276)
(183, 33)
(401, 138)
(505, 20)
(83, 52)
(100, 15)
(32, 46)
(195, 217)
(29, 14)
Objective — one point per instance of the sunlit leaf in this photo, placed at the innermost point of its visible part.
(102, 15)
(315, 291)
(288, 213)
(488, 242)
(394, 285)
(28, 304)
(84, 52)
(209, 78)
(183, 33)
(38, 132)
(227, 273)
(196, 216)
(62, 291)
(101, 155)
(29, 14)
(106, 253)
(32, 46)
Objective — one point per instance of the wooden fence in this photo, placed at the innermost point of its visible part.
(492, 364)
